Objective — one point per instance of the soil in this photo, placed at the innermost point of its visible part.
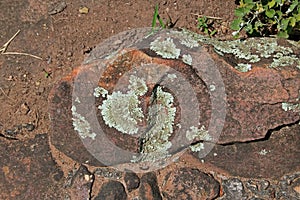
(59, 33)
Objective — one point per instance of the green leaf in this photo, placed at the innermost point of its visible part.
(240, 12)
(284, 24)
(292, 21)
(249, 28)
(283, 34)
(248, 2)
(235, 24)
(270, 13)
(213, 32)
(297, 17)
(279, 13)
(271, 3)
(154, 16)
(292, 6)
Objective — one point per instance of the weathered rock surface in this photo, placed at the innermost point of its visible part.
(132, 181)
(29, 166)
(80, 184)
(258, 145)
(149, 188)
(189, 183)
(112, 190)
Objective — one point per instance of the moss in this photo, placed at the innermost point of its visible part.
(81, 125)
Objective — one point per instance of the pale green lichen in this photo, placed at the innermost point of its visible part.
(187, 38)
(199, 134)
(243, 67)
(81, 125)
(137, 85)
(212, 88)
(197, 147)
(254, 49)
(172, 76)
(187, 59)
(290, 107)
(100, 91)
(165, 48)
(122, 112)
(161, 116)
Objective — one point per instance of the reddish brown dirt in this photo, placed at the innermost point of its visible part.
(63, 40)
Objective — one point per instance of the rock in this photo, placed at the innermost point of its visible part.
(132, 181)
(27, 173)
(262, 159)
(81, 184)
(233, 190)
(112, 190)
(149, 188)
(190, 183)
(134, 102)
(249, 104)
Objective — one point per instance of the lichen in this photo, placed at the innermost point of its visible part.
(187, 38)
(161, 116)
(81, 125)
(290, 107)
(243, 67)
(137, 85)
(254, 49)
(187, 59)
(199, 134)
(122, 112)
(100, 91)
(165, 48)
(197, 147)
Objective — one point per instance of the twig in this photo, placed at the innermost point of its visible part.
(5, 46)
(5, 94)
(209, 17)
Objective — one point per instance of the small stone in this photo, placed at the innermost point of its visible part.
(69, 54)
(80, 187)
(84, 10)
(24, 109)
(233, 189)
(190, 183)
(28, 127)
(112, 190)
(149, 188)
(132, 181)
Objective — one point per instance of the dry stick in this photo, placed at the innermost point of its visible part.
(5, 94)
(5, 46)
(209, 17)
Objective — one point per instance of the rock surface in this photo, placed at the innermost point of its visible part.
(256, 156)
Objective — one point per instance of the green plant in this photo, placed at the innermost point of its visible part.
(267, 17)
(156, 18)
(205, 24)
